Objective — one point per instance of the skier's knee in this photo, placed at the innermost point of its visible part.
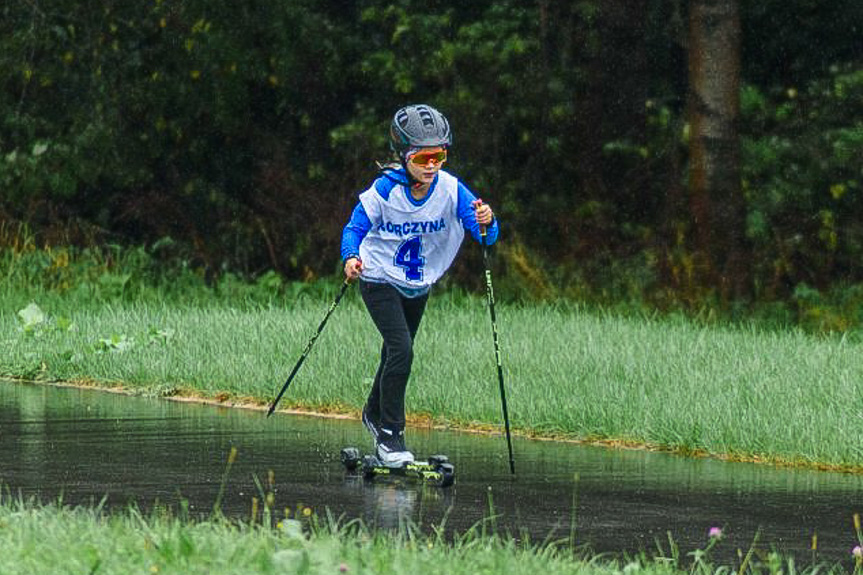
(400, 358)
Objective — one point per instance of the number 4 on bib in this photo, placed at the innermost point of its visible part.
(409, 257)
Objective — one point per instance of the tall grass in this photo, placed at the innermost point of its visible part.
(667, 383)
(70, 276)
(131, 317)
(38, 538)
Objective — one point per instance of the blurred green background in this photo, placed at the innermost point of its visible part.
(232, 138)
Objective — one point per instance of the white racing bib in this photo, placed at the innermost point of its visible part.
(411, 244)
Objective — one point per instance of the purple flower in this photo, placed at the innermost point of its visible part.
(343, 568)
(715, 533)
(857, 552)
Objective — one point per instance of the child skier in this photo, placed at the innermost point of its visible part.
(402, 237)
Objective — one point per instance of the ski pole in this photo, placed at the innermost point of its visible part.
(490, 292)
(308, 347)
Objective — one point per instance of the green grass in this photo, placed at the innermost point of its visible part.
(118, 317)
(669, 383)
(56, 539)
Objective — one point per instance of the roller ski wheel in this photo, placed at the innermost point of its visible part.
(437, 470)
(350, 458)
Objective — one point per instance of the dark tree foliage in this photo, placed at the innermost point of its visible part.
(244, 130)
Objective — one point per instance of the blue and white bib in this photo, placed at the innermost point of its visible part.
(411, 243)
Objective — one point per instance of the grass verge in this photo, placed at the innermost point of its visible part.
(54, 538)
(739, 392)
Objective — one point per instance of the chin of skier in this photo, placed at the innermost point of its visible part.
(402, 237)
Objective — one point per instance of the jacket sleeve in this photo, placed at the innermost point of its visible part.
(468, 216)
(354, 232)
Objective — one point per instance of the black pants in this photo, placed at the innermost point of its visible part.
(397, 318)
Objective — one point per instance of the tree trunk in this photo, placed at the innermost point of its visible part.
(718, 210)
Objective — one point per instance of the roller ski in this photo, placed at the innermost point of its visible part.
(437, 470)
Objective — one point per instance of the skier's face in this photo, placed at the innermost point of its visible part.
(424, 164)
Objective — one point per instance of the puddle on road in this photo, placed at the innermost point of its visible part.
(88, 445)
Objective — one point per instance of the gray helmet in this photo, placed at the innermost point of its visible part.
(418, 126)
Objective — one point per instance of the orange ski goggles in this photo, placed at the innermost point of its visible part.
(424, 157)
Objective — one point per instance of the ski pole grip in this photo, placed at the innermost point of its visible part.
(482, 228)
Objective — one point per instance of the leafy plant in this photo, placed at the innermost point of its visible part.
(114, 344)
(35, 322)
(32, 318)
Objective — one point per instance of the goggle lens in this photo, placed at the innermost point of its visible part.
(423, 158)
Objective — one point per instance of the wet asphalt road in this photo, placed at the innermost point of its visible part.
(87, 445)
